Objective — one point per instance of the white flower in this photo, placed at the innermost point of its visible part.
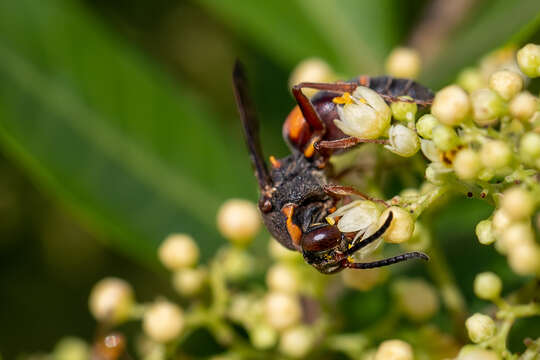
(365, 114)
(403, 141)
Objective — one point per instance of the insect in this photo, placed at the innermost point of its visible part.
(296, 194)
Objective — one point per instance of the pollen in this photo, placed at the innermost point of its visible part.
(344, 99)
(330, 220)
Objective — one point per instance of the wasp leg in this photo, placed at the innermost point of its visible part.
(307, 108)
(346, 143)
(341, 191)
(386, 262)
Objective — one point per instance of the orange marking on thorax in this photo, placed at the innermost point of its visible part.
(275, 163)
(295, 124)
(294, 230)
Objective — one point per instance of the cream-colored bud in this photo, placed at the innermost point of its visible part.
(523, 106)
(484, 232)
(445, 138)
(528, 58)
(416, 298)
(487, 106)
(420, 240)
(402, 225)
(263, 336)
(189, 282)
(297, 342)
(429, 150)
(495, 154)
(282, 310)
(518, 203)
(506, 83)
(363, 280)
(163, 321)
(501, 220)
(473, 352)
(394, 350)
(487, 286)
(311, 70)
(404, 63)
(367, 115)
(529, 146)
(403, 141)
(451, 105)
(404, 110)
(524, 259)
(425, 126)
(515, 234)
(178, 251)
(467, 164)
(239, 221)
(470, 79)
(282, 278)
(437, 173)
(111, 300)
(480, 327)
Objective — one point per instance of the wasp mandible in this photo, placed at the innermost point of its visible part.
(296, 195)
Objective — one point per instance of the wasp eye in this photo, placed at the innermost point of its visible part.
(321, 239)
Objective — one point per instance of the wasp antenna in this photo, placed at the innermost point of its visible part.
(250, 123)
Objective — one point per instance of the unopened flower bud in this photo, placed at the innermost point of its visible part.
(282, 278)
(529, 146)
(524, 259)
(189, 282)
(487, 106)
(480, 327)
(403, 63)
(282, 310)
(501, 220)
(515, 234)
(363, 280)
(470, 79)
(111, 300)
(425, 126)
(178, 251)
(163, 321)
(495, 154)
(402, 225)
(420, 240)
(473, 352)
(394, 350)
(517, 203)
(437, 173)
(528, 58)
(467, 164)
(311, 70)
(484, 232)
(239, 221)
(523, 106)
(487, 286)
(237, 264)
(279, 252)
(506, 83)
(263, 336)
(451, 105)
(445, 138)
(416, 298)
(71, 348)
(429, 150)
(403, 141)
(364, 114)
(404, 110)
(297, 342)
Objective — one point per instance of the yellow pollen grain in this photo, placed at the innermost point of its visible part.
(344, 99)
(330, 220)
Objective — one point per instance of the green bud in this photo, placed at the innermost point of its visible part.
(425, 126)
(487, 106)
(506, 83)
(470, 79)
(495, 154)
(403, 110)
(480, 327)
(467, 164)
(487, 286)
(445, 138)
(529, 146)
(528, 58)
(523, 106)
(484, 232)
(451, 105)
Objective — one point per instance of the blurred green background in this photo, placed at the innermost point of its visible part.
(118, 127)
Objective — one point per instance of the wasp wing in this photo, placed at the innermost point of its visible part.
(250, 123)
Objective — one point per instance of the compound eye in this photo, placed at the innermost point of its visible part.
(324, 238)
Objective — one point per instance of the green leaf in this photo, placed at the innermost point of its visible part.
(133, 154)
(499, 23)
(352, 35)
